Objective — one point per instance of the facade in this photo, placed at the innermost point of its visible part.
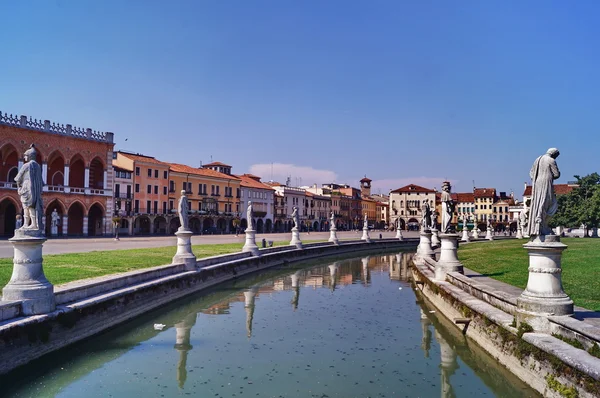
(369, 207)
(262, 197)
(406, 202)
(76, 169)
(288, 197)
(123, 195)
(150, 214)
(383, 210)
(319, 210)
(484, 203)
(465, 205)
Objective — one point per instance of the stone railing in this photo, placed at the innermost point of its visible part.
(55, 128)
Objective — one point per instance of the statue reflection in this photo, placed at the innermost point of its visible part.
(448, 365)
(182, 344)
(296, 287)
(249, 299)
(395, 267)
(365, 270)
(403, 261)
(426, 339)
(333, 270)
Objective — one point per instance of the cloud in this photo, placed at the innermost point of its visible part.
(394, 183)
(300, 175)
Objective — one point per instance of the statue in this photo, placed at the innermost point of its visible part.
(183, 211)
(434, 216)
(295, 217)
(18, 222)
(447, 208)
(332, 220)
(489, 224)
(29, 184)
(366, 222)
(55, 218)
(543, 200)
(426, 220)
(250, 216)
(523, 218)
(465, 221)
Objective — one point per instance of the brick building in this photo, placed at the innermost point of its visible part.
(76, 169)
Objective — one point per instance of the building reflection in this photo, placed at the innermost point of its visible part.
(182, 344)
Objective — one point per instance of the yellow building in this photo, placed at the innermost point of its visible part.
(484, 203)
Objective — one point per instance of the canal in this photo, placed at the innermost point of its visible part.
(337, 327)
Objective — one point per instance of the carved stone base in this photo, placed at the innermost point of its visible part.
(424, 249)
(465, 236)
(435, 239)
(448, 261)
(399, 234)
(184, 253)
(333, 236)
(519, 234)
(250, 245)
(28, 282)
(475, 233)
(296, 238)
(488, 235)
(365, 235)
(544, 295)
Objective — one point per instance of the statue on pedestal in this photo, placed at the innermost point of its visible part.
(426, 220)
(447, 208)
(366, 222)
(523, 219)
(543, 200)
(55, 221)
(183, 208)
(398, 223)
(332, 220)
(29, 187)
(295, 217)
(434, 216)
(250, 216)
(465, 221)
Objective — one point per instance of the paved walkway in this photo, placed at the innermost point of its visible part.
(81, 245)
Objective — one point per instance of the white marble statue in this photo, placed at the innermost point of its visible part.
(332, 220)
(523, 219)
(55, 218)
(434, 216)
(447, 208)
(398, 223)
(426, 220)
(182, 209)
(366, 222)
(295, 217)
(489, 224)
(543, 200)
(29, 184)
(465, 221)
(250, 215)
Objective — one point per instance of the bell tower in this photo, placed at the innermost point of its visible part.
(365, 187)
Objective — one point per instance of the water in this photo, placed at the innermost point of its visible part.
(347, 328)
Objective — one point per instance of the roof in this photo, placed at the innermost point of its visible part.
(137, 157)
(367, 199)
(559, 189)
(413, 188)
(366, 179)
(484, 192)
(250, 181)
(120, 168)
(274, 184)
(466, 197)
(215, 164)
(182, 168)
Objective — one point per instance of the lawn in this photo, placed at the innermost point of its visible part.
(507, 261)
(63, 268)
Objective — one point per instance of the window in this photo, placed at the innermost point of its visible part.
(212, 189)
(149, 172)
(199, 189)
(164, 207)
(137, 206)
(171, 204)
(148, 206)
(149, 189)
(156, 189)
(218, 190)
(155, 207)
(172, 186)
(164, 190)
(155, 173)
(137, 188)
(165, 174)
(137, 171)
(238, 192)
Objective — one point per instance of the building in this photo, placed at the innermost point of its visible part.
(76, 169)
(484, 203)
(123, 195)
(465, 205)
(406, 202)
(319, 210)
(150, 213)
(262, 197)
(289, 197)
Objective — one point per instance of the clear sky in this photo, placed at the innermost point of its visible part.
(402, 91)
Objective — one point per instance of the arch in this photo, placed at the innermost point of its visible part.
(75, 218)
(124, 223)
(97, 174)
(174, 224)
(221, 225)
(260, 224)
(55, 204)
(8, 216)
(243, 224)
(278, 226)
(77, 172)
(9, 162)
(195, 225)
(160, 226)
(268, 226)
(413, 224)
(56, 167)
(316, 226)
(208, 225)
(12, 173)
(96, 220)
(141, 225)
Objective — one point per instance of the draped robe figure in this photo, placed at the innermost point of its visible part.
(183, 208)
(29, 187)
(250, 216)
(332, 220)
(447, 208)
(295, 217)
(426, 221)
(543, 200)
(365, 222)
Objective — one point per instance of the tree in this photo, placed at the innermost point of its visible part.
(581, 205)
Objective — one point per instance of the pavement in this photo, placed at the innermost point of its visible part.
(82, 245)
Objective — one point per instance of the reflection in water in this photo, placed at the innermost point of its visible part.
(182, 344)
(342, 341)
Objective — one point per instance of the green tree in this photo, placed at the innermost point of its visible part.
(581, 205)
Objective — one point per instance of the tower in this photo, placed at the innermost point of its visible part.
(365, 187)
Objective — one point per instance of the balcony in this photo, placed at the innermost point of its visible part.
(143, 210)
(8, 185)
(123, 195)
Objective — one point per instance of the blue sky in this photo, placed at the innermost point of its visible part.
(401, 91)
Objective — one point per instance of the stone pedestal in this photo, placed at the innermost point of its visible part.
(333, 236)
(365, 235)
(448, 261)
(250, 245)
(475, 233)
(184, 253)
(465, 235)
(54, 230)
(435, 239)
(488, 234)
(424, 249)
(28, 282)
(544, 295)
(296, 238)
(519, 233)
(399, 234)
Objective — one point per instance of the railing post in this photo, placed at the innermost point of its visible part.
(23, 121)
(88, 133)
(69, 129)
(46, 125)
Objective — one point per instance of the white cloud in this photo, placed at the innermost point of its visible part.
(394, 183)
(300, 175)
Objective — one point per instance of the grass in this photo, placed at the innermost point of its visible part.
(507, 261)
(63, 268)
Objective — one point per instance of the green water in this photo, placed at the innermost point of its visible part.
(347, 328)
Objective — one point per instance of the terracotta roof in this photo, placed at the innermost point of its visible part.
(215, 164)
(366, 179)
(142, 158)
(249, 181)
(559, 189)
(466, 197)
(484, 192)
(182, 168)
(413, 188)
(367, 199)
(117, 168)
